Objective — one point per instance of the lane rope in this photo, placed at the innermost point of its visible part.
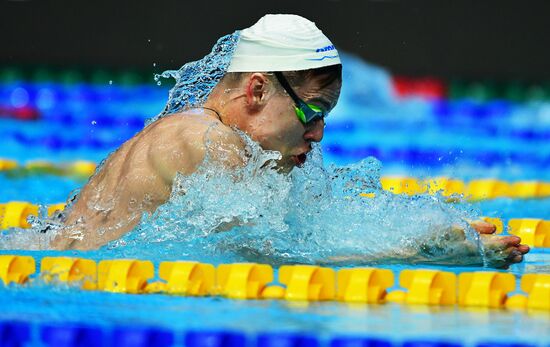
(252, 281)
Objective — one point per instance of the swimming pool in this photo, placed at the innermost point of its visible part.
(413, 136)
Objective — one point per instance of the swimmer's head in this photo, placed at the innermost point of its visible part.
(284, 77)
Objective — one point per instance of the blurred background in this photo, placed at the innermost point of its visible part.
(431, 88)
(493, 39)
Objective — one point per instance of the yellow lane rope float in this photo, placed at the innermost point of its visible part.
(14, 214)
(305, 283)
(79, 169)
(477, 189)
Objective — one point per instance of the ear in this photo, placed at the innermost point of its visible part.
(257, 87)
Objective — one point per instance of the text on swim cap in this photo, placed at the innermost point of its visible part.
(326, 48)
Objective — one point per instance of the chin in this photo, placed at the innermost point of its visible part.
(285, 165)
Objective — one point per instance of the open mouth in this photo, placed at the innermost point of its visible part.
(299, 159)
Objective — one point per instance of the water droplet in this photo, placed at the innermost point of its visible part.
(94, 122)
(110, 81)
(154, 64)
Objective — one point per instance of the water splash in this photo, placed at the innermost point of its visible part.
(313, 215)
(195, 80)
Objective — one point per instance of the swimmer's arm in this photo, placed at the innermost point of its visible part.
(445, 248)
(448, 246)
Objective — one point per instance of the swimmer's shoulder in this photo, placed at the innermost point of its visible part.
(193, 122)
(193, 135)
(197, 123)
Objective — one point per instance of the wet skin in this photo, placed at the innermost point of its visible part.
(138, 177)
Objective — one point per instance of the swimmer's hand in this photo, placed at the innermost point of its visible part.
(452, 247)
(500, 251)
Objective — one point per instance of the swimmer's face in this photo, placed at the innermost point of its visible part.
(279, 128)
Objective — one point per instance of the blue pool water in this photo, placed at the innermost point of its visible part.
(462, 139)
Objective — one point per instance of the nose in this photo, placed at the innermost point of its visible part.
(315, 130)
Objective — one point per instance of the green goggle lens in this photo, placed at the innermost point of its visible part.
(308, 112)
(300, 114)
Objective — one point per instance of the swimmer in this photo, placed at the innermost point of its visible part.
(283, 79)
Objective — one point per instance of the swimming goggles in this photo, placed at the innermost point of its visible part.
(306, 113)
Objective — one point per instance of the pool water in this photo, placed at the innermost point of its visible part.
(413, 136)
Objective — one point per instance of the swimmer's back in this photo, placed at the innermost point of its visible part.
(138, 177)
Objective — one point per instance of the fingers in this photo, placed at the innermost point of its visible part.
(483, 227)
(515, 256)
(515, 250)
(524, 249)
(505, 250)
(516, 253)
(512, 240)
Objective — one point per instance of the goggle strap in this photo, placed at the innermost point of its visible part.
(282, 80)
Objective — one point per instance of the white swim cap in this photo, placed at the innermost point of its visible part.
(282, 42)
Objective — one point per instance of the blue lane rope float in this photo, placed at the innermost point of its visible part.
(127, 126)
(69, 334)
(14, 333)
(487, 130)
(437, 157)
(277, 339)
(132, 121)
(139, 336)
(101, 117)
(61, 104)
(432, 157)
(358, 341)
(58, 142)
(304, 283)
(97, 120)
